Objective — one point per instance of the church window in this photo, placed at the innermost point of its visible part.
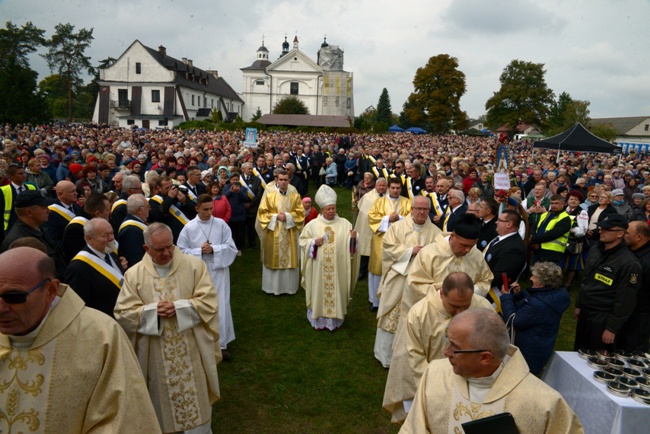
(324, 101)
(192, 99)
(294, 88)
(338, 101)
(259, 82)
(155, 95)
(138, 68)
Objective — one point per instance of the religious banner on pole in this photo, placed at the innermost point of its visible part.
(251, 138)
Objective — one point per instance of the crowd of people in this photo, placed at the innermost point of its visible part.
(143, 225)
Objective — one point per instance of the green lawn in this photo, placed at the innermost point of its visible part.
(286, 377)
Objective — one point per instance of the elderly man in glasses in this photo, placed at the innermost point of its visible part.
(484, 376)
(64, 367)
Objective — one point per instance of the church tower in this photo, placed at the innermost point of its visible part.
(285, 47)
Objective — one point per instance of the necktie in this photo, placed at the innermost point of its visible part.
(107, 258)
(21, 189)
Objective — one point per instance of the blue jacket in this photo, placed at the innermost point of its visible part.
(537, 320)
(237, 203)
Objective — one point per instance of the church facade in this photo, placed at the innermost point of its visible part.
(322, 85)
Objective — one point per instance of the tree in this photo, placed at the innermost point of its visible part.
(257, 115)
(66, 55)
(55, 92)
(565, 112)
(523, 97)
(384, 112)
(435, 102)
(17, 43)
(19, 100)
(290, 105)
(604, 131)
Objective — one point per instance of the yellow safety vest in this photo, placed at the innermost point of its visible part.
(558, 244)
(8, 194)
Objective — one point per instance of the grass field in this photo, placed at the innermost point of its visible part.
(286, 377)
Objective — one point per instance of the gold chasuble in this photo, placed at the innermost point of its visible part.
(76, 373)
(179, 361)
(328, 278)
(380, 209)
(442, 401)
(280, 239)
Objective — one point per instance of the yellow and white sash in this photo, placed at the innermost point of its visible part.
(158, 199)
(118, 203)
(127, 223)
(178, 214)
(408, 187)
(115, 276)
(78, 221)
(447, 214)
(62, 211)
(250, 194)
(434, 201)
(261, 178)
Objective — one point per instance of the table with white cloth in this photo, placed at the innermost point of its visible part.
(598, 410)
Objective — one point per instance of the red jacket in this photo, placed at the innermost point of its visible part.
(221, 208)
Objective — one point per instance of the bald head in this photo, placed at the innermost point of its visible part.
(637, 234)
(66, 192)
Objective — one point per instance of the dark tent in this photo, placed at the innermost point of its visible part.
(577, 139)
(396, 129)
(416, 130)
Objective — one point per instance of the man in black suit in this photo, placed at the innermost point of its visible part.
(194, 185)
(415, 181)
(455, 209)
(97, 205)
(96, 273)
(256, 191)
(487, 211)
(131, 234)
(507, 252)
(62, 211)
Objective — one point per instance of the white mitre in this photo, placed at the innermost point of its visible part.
(325, 196)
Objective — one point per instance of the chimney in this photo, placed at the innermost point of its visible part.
(162, 50)
(213, 72)
(184, 59)
(189, 62)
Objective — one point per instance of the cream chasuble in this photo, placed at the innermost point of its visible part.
(442, 401)
(428, 270)
(329, 278)
(362, 226)
(426, 324)
(397, 247)
(78, 375)
(178, 355)
(380, 209)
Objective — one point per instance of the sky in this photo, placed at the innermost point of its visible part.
(595, 50)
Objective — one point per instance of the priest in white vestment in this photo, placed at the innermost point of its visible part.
(281, 216)
(328, 248)
(362, 227)
(400, 246)
(485, 376)
(64, 367)
(430, 267)
(169, 308)
(386, 211)
(210, 239)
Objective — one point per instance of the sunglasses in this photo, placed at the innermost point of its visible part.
(20, 297)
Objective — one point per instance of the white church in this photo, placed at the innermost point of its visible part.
(323, 85)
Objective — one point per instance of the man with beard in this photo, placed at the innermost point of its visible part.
(96, 272)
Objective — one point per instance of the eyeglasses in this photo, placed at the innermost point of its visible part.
(20, 297)
(420, 209)
(502, 221)
(449, 345)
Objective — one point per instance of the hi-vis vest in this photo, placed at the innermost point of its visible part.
(558, 244)
(8, 194)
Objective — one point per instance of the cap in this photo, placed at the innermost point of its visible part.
(76, 168)
(68, 158)
(617, 192)
(29, 198)
(325, 196)
(638, 196)
(613, 221)
(468, 226)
